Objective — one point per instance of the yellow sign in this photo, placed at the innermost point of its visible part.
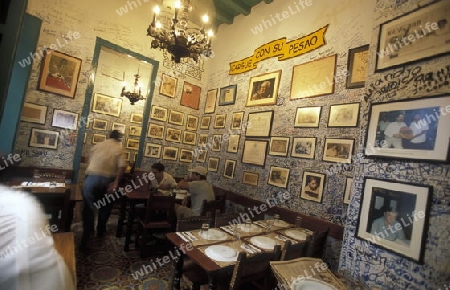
(280, 48)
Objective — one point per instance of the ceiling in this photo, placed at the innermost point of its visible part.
(226, 10)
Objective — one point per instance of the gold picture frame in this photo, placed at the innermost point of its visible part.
(263, 89)
(106, 105)
(168, 86)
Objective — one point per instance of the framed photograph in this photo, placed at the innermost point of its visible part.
(418, 35)
(219, 121)
(189, 138)
(152, 150)
(103, 104)
(136, 118)
(119, 127)
(190, 96)
(345, 115)
(233, 143)
(303, 147)
(204, 124)
(44, 138)
(173, 135)
(132, 144)
(228, 171)
(357, 63)
(213, 164)
(202, 140)
(59, 73)
(338, 150)
(314, 78)
(216, 142)
(176, 118)
(250, 178)
(170, 153)
(191, 123)
(33, 113)
(278, 176)
(255, 152)
(259, 124)
(155, 131)
(126, 155)
(227, 95)
(404, 207)
(307, 117)
(135, 131)
(65, 119)
(348, 190)
(158, 113)
(236, 120)
(410, 129)
(263, 89)
(312, 186)
(210, 104)
(98, 138)
(186, 155)
(201, 155)
(168, 86)
(279, 146)
(98, 124)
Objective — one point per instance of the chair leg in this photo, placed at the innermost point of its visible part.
(143, 243)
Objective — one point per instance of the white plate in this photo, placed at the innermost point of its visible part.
(280, 223)
(263, 242)
(213, 234)
(249, 229)
(221, 253)
(311, 284)
(296, 234)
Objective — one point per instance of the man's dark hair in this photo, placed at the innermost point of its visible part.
(388, 208)
(115, 134)
(158, 166)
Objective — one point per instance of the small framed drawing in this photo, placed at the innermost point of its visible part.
(155, 131)
(230, 166)
(43, 138)
(210, 104)
(259, 124)
(278, 176)
(307, 117)
(170, 153)
(107, 105)
(65, 119)
(303, 147)
(191, 123)
(357, 62)
(136, 118)
(158, 113)
(176, 118)
(348, 189)
(338, 150)
(217, 142)
(119, 127)
(189, 138)
(132, 144)
(201, 155)
(213, 164)
(279, 146)
(233, 143)
(190, 96)
(202, 140)
(406, 207)
(236, 120)
(98, 138)
(263, 89)
(126, 155)
(186, 155)
(312, 186)
(255, 152)
(98, 124)
(219, 121)
(168, 86)
(135, 130)
(250, 178)
(152, 150)
(345, 115)
(173, 135)
(227, 95)
(33, 113)
(204, 124)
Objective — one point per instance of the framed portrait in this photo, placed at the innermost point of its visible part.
(348, 190)
(136, 118)
(227, 95)
(228, 171)
(168, 86)
(303, 147)
(219, 121)
(204, 124)
(176, 118)
(33, 113)
(233, 143)
(236, 120)
(279, 146)
(98, 138)
(418, 35)
(158, 113)
(202, 140)
(170, 153)
(307, 117)
(155, 131)
(201, 155)
(216, 142)
(345, 115)
(132, 144)
(314, 78)
(255, 152)
(65, 119)
(43, 138)
(338, 150)
(186, 155)
(152, 150)
(191, 123)
(250, 178)
(278, 176)
(173, 135)
(405, 207)
(357, 63)
(135, 131)
(119, 127)
(59, 73)
(126, 155)
(259, 124)
(107, 105)
(213, 164)
(98, 124)
(263, 89)
(189, 137)
(190, 96)
(410, 129)
(312, 186)
(210, 104)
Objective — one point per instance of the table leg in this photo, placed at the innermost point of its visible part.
(178, 273)
(122, 214)
(212, 282)
(130, 222)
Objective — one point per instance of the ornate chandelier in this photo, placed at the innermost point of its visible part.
(170, 32)
(136, 94)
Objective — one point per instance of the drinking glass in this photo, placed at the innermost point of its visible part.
(236, 234)
(298, 221)
(248, 224)
(205, 230)
(276, 218)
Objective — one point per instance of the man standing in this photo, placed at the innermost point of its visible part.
(392, 132)
(419, 131)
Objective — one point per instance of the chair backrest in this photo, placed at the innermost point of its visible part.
(139, 182)
(292, 251)
(46, 177)
(317, 244)
(160, 206)
(212, 206)
(224, 219)
(192, 223)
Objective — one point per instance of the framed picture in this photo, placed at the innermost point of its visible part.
(202, 140)
(236, 120)
(233, 143)
(170, 153)
(158, 113)
(65, 119)
(357, 63)
(338, 150)
(217, 142)
(136, 118)
(189, 138)
(173, 135)
(219, 121)
(263, 89)
(404, 40)
(345, 115)
(250, 178)
(126, 155)
(119, 127)
(33, 113)
(410, 129)
(98, 138)
(204, 124)
(135, 130)
(307, 117)
(259, 124)
(303, 147)
(213, 164)
(168, 86)
(278, 176)
(191, 123)
(44, 138)
(132, 144)
(227, 95)
(107, 105)
(155, 131)
(348, 189)
(228, 171)
(312, 186)
(176, 118)
(186, 155)
(210, 104)
(405, 207)
(255, 152)
(201, 155)
(190, 96)
(98, 124)
(152, 150)
(279, 146)
(59, 73)
(314, 78)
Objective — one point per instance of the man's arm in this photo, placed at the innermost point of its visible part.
(184, 184)
(115, 184)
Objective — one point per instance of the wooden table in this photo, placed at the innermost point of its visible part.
(64, 244)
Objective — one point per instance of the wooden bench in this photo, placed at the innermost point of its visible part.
(65, 245)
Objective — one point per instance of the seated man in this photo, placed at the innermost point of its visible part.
(162, 180)
(199, 189)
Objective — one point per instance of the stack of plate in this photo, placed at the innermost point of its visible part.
(311, 284)
(221, 253)
(296, 234)
(249, 228)
(263, 242)
(213, 234)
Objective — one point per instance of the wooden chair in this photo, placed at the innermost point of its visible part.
(292, 251)
(192, 223)
(212, 206)
(317, 244)
(224, 219)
